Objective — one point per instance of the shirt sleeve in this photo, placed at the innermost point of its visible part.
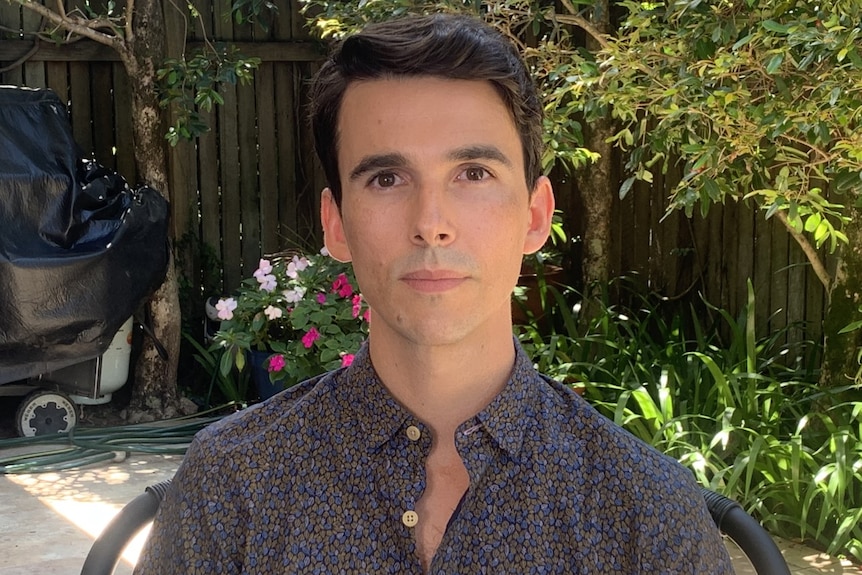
(194, 531)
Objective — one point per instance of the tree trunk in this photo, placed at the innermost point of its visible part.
(840, 351)
(597, 187)
(155, 385)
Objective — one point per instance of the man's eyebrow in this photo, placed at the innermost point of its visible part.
(480, 152)
(376, 162)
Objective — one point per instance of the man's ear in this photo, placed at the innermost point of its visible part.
(333, 228)
(541, 214)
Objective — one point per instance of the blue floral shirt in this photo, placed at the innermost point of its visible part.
(324, 478)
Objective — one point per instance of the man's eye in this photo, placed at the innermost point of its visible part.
(385, 180)
(475, 174)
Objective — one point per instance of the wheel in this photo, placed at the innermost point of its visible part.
(45, 412)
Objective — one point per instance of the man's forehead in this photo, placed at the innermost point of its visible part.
(370, 102)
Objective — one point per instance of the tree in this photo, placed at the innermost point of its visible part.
(137, 34)
(758, 101)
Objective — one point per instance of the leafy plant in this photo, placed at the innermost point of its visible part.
(233, 386)
(303, 309)
(191, 85)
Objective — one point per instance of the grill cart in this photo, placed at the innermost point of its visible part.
(79, 251)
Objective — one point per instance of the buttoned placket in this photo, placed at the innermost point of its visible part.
(414, 442)
(475, 447)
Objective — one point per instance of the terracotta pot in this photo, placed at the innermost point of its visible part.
(529, 279)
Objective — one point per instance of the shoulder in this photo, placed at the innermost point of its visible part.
(604, 455)
(273, 424)
(625, 486)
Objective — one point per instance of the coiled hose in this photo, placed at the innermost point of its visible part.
(82, 447)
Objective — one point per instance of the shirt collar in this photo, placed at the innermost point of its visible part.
(372, 404)
(383, 417)
(504, 418)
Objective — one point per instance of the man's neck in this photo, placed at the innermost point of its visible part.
(444, 385)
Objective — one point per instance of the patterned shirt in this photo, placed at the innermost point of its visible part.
(324, 478)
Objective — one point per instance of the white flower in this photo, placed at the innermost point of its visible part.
(267, 282)
(296, 265)
(264, 268)
(294, 295)
(324, 251)
(272, 312)
(225, 308)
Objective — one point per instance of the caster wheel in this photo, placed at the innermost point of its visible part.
(44, 413)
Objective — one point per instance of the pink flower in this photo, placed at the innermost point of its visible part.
(357, 305)
(310, 337)
(321, 298)
(225, 308)
(367, 315)
(342, 286)
(346, 359)
(276, 363)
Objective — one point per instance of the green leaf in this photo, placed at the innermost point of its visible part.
(851, 327)
(774, 63)
(774, 26)
(812, 222)
(627, 185)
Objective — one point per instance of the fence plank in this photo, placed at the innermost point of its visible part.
(126, 166)
(81, 105)
(103, 117)
(266, 158)
(779, 275)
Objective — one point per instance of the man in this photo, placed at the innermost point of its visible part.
(440, 449)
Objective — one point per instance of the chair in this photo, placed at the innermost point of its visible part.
(140, 511)
(732, 520)
(728, 515)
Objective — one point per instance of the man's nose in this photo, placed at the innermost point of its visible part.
(433, 225)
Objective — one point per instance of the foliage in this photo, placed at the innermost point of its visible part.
(740, 413)
(303, 309)
(233, 386)
(191, 85)
(755, 100)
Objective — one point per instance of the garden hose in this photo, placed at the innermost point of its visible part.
(81, 447)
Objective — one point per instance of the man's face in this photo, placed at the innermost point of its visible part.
(435, 212)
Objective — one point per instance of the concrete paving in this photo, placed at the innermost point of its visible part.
(48, 521)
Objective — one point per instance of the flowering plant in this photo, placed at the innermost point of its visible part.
(305, 310)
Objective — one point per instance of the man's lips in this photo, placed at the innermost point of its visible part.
(433, 281)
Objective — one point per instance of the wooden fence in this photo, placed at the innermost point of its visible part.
(251, 185)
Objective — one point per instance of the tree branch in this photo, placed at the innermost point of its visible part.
(70, 25)
(585, 25)
(130, 30)
(23, 58)
(809, 250)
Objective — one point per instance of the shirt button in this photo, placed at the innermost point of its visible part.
(410, 518)
(413, 433)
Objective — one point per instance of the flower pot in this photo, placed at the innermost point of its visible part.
(257, 361)
(529, 279)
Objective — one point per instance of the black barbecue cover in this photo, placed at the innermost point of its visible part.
(79, 249)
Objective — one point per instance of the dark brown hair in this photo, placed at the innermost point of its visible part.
(441, 45)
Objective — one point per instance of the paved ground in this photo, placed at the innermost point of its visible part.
(48, 521)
